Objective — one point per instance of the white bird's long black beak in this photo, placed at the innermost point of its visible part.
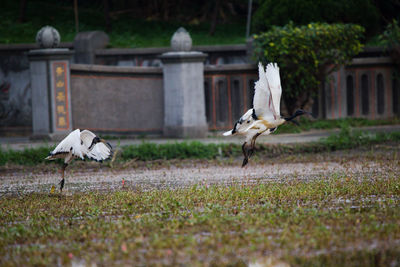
(298, 112)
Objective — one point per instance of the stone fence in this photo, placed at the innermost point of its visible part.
(117, 99)
(367, 88)
(153, 92)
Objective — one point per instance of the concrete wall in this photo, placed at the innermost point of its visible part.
(15, 89)
(117, 99)
(15, 94)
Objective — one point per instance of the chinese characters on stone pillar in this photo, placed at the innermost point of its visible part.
(61, 96)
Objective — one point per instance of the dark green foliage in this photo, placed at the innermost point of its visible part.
(391, 35)
(301, 12)
(304, 53)
(390, 38)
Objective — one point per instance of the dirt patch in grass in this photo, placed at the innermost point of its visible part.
(87, 176)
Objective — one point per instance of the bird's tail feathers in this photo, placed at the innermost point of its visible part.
(50, 157)
(227, 133)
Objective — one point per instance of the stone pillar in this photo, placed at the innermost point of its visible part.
(184, 99)
(50, 83)
(85, 45)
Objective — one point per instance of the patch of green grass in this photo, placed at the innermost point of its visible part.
(348, 138)
(126, 30)
(184, 150)
(345, 139)
(28, 156)
(339, 219)
(324, 124)
(151, 151)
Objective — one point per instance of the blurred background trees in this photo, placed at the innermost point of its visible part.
(218, 21)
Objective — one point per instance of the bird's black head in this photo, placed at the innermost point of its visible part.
(300, 112)
(94, 142)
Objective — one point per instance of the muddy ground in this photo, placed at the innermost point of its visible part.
(87, 176)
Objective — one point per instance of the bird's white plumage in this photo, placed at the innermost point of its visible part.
(266, 104)
(263, 101)
(274, 83)
(78, 143)
(265, 116)
(252, 132)
(99, 152)
(87, 139)
(71, 143)
(243, 124)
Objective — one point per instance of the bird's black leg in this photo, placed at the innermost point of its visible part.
(246, 157)
(63, 180)
(253, 144)
(245, 161)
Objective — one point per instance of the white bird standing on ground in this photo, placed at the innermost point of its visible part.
(264, 117)
(78, 145)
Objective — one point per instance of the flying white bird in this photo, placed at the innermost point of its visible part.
(80, 145)
(265, 116)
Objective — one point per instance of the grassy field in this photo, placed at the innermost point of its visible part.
(341, 219)
(342, 210)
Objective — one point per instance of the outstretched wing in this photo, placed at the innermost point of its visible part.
(70, 143)
(274, 83)
(87, 139)
(262, 101)
(101, 151)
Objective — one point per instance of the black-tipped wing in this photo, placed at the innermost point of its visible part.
(71, 143)
(87, 139)
(101, 151)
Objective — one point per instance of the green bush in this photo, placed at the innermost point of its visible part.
(304, 54)
(391, 35)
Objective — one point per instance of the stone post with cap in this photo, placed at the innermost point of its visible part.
(50, 83)
(184, 99)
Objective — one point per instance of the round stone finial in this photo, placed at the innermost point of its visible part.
(181, 40)
(48, 37)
